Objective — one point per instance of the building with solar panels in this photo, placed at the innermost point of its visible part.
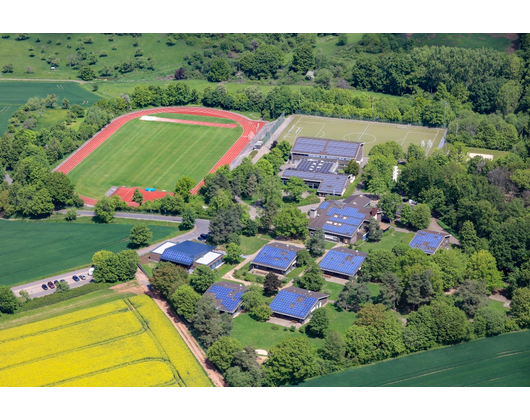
(429, 241)
(342, 222)
(335, 151)
(156, 253)
(191, 254)
(276, 257)
(297, 304)
(228, 296)
(342, 262)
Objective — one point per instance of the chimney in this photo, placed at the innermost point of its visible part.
(312, 213)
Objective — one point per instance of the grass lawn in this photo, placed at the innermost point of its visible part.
(387, 243)
(496, 153)
(333, 289)
(152, 154)
(338, 319)
(374, 288)
(34, 250)
(252, 244)
(225, 268)
(330, 244)
(497, 305)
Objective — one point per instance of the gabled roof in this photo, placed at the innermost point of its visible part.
(276, 255)
(326, 147)
(186, 252)
(343, 261)
(295, 302)
(227, 295)
(359, 200)
(428, 241)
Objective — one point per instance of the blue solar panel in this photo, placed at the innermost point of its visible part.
(275, 257)
(341, 262)
(229, 298)
(324, 205)
(323, 147)
(314, 166)
(329, 183)
(177, 257)
(427, 242)
(292, 304)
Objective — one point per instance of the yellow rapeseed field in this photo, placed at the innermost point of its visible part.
(178, 352)
(61, 321)
(150, 373)
(70, 338)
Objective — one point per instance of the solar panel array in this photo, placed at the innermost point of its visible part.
(324, 205)
(229, 298)
(325, 147)
(275, 257)
(177, 257)
(341, 262)
(427, 242)
(292, 304)
(329, 183)
(346, 223)
(315, 166)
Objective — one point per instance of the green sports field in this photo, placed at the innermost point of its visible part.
(496, 361)
(33, 250)
(154, 154)
(362, 131)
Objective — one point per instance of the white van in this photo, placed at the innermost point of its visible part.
(91, 271)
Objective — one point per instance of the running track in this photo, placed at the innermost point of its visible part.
(250, 128)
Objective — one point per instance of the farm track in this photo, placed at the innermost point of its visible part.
(250, 128)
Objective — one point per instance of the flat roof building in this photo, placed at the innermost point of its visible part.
(329, 150)
(276, 257)
(156, 253)
(190, 254)
(298, 304)
(429, 241)
(228, 296)
(342, 262)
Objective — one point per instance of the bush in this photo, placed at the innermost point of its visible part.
(71, 214)
(261, 313)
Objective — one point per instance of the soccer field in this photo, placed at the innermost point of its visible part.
(496, 361)
(371, 133)
(34, 250)
(154, 154)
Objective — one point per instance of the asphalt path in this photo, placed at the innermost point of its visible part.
(35, 288)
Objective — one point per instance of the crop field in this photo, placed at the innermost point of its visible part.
(496, 361)
(128, 342)
(33, 250)
(153, 154)
(499, 42)
(361, 131)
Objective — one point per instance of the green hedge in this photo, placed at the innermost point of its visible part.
(59, 297)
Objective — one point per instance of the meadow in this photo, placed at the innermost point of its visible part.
(34, 250)
(499, 42)
(503, 360)
(153, 154)
(128, 342)
(360, 131)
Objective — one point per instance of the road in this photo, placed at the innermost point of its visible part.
(35, 288)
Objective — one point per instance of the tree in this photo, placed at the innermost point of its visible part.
(224, 224)
(312, 279)
(333, 350)
(296, 187)
(291, 223)
(303, 258)
(202, 278)
(493, 320)
(451, 323)
(419, 289)
(183, 187)
(184, 300)
(420, 333)
(167, 277)
(66, 103)
(271, 284)
(61, 287)
(520, 307)
(71, 214)
(319, 323)
(105, 209)
(233, 254)
(180, 74)
(100, 256)
(252, 298)
(406, 213)
(208, 323)
(342, 39)
(188, 218)
(377, 263)
(420, 218)
(483, 266)
(140, 235)
(352, 168)
(138, 197)
(223, 351)
(220, 71)
(389, 203)
(375, 234)
(303, 59)
(290, 361)
(107, 269)
(390, 290)
(316, 243)
(87, 73)
(261, 313)
(8, 68)
(353, 295)
(8, 300)
(470, 296)
(453, 263)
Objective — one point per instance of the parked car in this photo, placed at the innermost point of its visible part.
(203, 237)
(91, 271)
(75, 278)
(45, 287)
(82, 277)
(63, 280)
(51, 285)
(55, 281)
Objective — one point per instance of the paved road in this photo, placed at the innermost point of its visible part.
(35, 288)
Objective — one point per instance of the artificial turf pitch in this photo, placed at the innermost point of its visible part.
(371, 133)
(34, 250)
(153, 154)
(503, 360)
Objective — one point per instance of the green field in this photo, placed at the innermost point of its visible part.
(361, 131)
(496, 361)
(496, 153)
(499, 42)
(387, 243)
(153, 154)
(34, 250)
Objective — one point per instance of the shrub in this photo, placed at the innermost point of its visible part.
(262, 314)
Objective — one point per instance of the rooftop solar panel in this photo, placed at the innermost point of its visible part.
(341, 262)
(293, 304)
(427, 242)
(275, 257)
(324, 146)
(229, 298)
(329, 183)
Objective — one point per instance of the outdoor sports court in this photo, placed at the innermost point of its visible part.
(371, 133)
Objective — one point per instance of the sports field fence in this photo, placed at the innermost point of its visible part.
(273, 128)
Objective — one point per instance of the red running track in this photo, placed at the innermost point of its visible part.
(250, 128)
